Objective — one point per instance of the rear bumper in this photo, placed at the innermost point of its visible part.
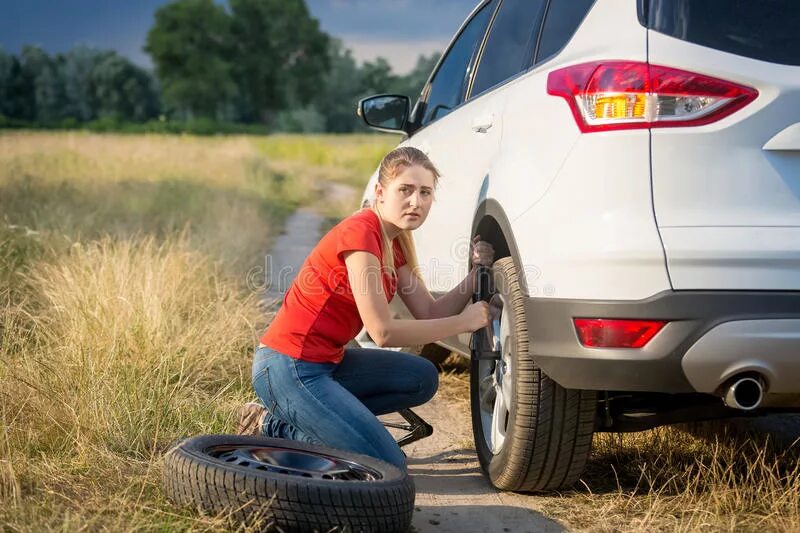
(711, 336)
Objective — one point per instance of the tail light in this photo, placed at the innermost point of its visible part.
(612, 333)
(617, 95)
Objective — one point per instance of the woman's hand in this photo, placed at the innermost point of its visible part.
(475, 316)
(480, 252)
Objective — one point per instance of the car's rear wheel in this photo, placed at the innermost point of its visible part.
(530, 433)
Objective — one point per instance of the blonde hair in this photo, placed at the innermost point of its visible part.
(391, 166)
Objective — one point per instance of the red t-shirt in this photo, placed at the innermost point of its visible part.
(319, 314)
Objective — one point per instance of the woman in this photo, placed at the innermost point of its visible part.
(315, 390)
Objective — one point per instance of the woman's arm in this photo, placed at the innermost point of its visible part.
(364, 273)
(423, 305)
(457, 298)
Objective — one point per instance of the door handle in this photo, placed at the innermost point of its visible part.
(482, 123)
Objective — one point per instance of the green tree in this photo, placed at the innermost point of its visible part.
(190, 47)
(377, 77)
(6, 64)
(122, 90)
(346, 82)
(280, 56)
(340, 90)
(76, 68)
(41, 72)
(20, 102)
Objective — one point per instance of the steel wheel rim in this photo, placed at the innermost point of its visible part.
(496, 384)
(293, 462)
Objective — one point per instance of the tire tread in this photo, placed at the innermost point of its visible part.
(550, 432)
(290, 503)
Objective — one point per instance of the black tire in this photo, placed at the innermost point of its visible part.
(548, 429)
(196, 474)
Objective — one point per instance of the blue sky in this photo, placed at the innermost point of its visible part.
(396, 29)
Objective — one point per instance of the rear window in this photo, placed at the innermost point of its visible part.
(761, 29)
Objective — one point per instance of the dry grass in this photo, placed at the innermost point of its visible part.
(668, 479)
(342, 163)
(86, 185)
(454, 382)
(121, 347)
(718, 477)
(125, 320)
(344, 159)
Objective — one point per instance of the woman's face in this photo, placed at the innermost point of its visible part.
(406, 200)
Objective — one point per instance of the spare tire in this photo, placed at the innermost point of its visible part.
(293, 485)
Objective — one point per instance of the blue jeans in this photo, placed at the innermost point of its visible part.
(336, 404)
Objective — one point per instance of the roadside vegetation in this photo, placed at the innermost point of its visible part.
(127, 318)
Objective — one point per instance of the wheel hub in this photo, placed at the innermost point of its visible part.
(496, 382)
(293, 462)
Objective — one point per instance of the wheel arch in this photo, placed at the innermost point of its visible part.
(492, 224)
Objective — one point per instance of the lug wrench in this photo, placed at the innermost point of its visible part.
(482, 345)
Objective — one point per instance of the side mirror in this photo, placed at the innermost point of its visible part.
(385, 112)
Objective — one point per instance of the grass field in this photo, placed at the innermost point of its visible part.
(125, 319)
(126, 323)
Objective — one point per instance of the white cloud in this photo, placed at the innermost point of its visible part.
(402, 55)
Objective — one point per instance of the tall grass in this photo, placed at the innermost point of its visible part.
(85, 185)
(121, 347)
(348, 159)
(669, 479)
(125, 320)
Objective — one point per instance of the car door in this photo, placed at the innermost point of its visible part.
(460, 153)
(465, 142)
(442, 96)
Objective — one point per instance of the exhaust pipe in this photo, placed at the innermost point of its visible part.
(744, 393)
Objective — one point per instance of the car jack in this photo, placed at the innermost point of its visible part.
(417, 428)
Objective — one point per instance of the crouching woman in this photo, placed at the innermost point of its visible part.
(311, 387)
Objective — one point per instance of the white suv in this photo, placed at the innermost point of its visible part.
(636, 165)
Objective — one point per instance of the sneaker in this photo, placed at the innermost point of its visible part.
(251, 417)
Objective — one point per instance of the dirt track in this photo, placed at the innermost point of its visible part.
(452, 493)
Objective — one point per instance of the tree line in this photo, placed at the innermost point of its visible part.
(259, 64)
